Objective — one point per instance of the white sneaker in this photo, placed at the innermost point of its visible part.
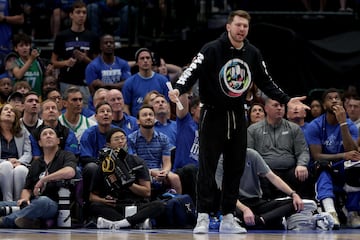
(202, 223)
(146, 225)
(229, 225)
(104, 223)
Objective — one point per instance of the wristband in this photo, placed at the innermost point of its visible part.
(343, 124)
(292, 193)
(4, 19)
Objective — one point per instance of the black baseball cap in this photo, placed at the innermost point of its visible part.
(16, 95)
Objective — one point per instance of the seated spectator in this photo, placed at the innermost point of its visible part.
(99, 96)
(255, 113)
(72, 117)
(254, 211)
(91, 142)
(120, 118)
(171, 71)
(187, 122)
(5, 89)
(112, 193)
(332, 139)
(353, 110)
(154, 148)
(150, 96)
(16, 99)
(15, 153)
(50, 114)
(49, 83)
(297, 114)
(40, 193)
(282, 145)
(30, 119)
(163, 122)
(55, 95)
(22, 87)
(186, 157)
(316, 108)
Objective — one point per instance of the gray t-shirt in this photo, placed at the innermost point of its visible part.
(255, 167)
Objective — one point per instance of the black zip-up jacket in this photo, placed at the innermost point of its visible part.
(225, 74)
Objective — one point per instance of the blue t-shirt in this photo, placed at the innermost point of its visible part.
(128, 124)
(136, 87)
(92, 141)
(107, 73)
(319, 132)
(169, 129)
(187, 143)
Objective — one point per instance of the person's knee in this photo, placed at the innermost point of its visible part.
(21, 171)
(6, 167)
(90, 168)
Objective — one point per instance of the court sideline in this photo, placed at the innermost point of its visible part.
(164, 234)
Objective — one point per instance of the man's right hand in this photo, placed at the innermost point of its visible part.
(174, 95)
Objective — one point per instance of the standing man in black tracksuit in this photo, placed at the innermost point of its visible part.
(225, 68)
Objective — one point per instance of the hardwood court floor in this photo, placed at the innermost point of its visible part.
(94, 234)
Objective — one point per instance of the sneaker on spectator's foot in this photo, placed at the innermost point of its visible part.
(229, 225)
(202, 224)
(104, 223)
(22, 222)
(146, 225)
(353, 220)
(336, 220)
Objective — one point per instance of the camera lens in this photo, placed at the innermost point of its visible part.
(6, 210)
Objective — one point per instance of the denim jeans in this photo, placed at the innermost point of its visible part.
(42, 208)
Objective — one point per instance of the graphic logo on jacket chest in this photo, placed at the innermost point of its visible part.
(235, 77)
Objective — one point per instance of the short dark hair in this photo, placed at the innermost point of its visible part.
(239, 13)
(30, 93)
(112, 131)
(71, 89)
(194, 101)
(77, 4)
(41, 129)
(21, 37)
(101, 104)
(330, 90)
(143, 107)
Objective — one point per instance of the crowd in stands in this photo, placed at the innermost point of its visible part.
(87, 114)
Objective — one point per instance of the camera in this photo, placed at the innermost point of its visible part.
(117, 172)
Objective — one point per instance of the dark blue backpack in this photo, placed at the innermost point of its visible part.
(179, 212)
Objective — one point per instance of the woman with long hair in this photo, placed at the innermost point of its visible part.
(15, 153)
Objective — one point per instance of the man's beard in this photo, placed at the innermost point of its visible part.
(331, 111)
(148, 126)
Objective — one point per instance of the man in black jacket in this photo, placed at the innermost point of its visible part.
(225, 69)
